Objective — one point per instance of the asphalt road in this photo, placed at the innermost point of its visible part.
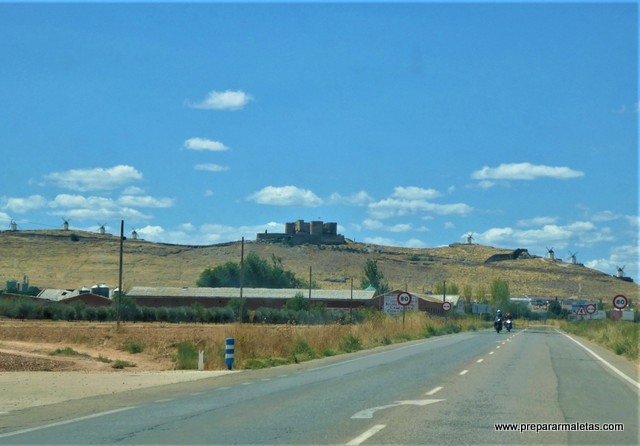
(445, 390)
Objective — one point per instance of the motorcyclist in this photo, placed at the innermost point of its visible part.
(508, 322)
(497, 321)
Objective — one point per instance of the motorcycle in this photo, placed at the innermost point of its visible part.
(508, 325)
(497, 324)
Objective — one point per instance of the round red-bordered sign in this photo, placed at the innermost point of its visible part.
(620, 301)
(404, 298)
(591, 308)
(446, 306)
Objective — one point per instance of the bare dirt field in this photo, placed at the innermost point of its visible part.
(31, 375)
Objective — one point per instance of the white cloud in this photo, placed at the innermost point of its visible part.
(537, 221)
(23, 205)
(524, 171)
(621, 256)
(5, 217)
(286, 196)
(150, 232)
(133, 190)
(377, 225)
(223, 100)
(204, 144)
(361, 198)
(392, 207)
(605, 216)
(98, 178)
(383, 241)
(93, 208)
(415, 193)
(577, 234)
(209, 167)
(145, 201)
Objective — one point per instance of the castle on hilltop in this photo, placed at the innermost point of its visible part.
(300, 232)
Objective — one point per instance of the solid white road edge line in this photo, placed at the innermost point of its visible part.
(595, 355)
(366, 435)
(62, 423)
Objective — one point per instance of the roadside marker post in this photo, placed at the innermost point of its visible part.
(229, 352)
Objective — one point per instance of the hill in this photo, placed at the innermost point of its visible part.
(72, 259)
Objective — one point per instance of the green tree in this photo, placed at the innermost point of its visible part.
(258, 273)
(467, 294)
(452, 288)
(555, 308)
(297, 303)
(481, 295)
(373, 277)
(499, 290)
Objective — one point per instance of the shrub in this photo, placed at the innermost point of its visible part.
(350, 343)
(187, 356)
(26, 309)
(133, 347)
(90, 314)
(102, 314)
(302, 351)
(119, 364)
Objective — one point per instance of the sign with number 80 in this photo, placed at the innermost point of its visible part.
(620, 301)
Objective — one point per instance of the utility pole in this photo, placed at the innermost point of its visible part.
(351, 303)
(309, 285)
(241, 278)
(119, 297)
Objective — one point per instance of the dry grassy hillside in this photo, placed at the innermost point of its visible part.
(72, 259)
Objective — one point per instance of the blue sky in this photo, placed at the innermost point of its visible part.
(407, 124)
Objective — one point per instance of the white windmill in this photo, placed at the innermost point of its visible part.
(552, 255)
(134, 234)
(101, 228)
(573, 257)
(65, 225)
(13, 225)
(469, 238)
(620, 272)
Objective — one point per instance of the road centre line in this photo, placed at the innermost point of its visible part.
(480, 360)
(62, 423)
(491, 353)
(165, 400)
(366, 435)
(595, 355)
(464, 372)
(434, 390)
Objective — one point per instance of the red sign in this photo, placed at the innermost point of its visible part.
(446, 306)
(620, 301)
(404, 298)
(591, 308)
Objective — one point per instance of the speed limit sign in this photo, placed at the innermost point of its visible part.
(620, 301)
(446, 306)
(404, 298)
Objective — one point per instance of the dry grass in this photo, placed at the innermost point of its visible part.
(621, 337)
(52, 260)
(255, 345)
